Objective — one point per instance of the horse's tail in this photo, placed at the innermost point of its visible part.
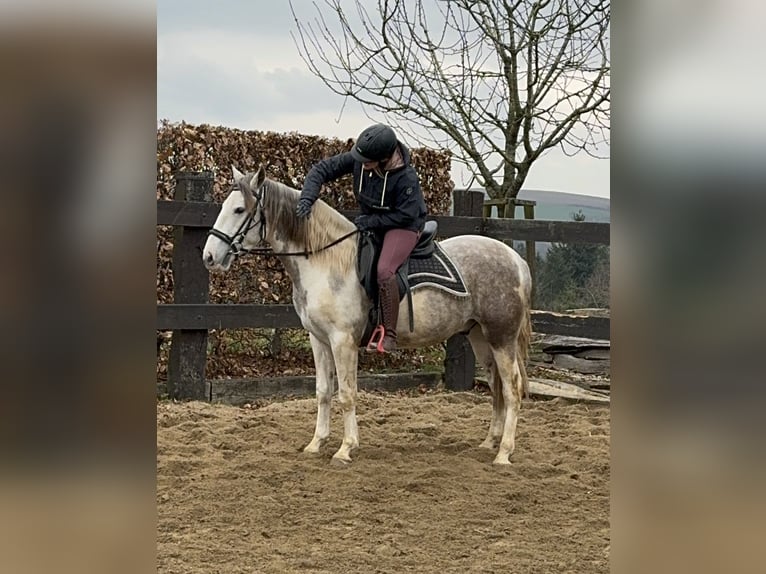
(522, 346)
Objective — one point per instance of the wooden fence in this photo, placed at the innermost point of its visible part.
(191, 316)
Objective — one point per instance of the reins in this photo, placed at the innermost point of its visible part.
(235, 241)
(305, 253)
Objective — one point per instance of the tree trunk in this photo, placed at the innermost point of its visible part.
(514, 187)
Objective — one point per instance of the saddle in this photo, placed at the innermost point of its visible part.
(370, 244)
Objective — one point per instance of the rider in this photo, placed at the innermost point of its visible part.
(388, 191)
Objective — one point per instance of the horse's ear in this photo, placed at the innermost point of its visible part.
(236, 173)
(258, 178)
(249, 198)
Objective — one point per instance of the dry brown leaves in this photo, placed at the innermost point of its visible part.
(287, 158)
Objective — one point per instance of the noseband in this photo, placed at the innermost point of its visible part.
(235, 241)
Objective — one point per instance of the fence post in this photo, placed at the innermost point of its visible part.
(506, 208)
(188, 351)
(531, 251)
(460, 362)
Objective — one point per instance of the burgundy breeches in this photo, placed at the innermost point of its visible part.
(397, 245)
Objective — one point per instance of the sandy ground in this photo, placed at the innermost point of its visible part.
(235, 494)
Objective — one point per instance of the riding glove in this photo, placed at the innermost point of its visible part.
(304, 207)
(364, 222)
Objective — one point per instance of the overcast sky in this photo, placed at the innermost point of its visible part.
(234, 63)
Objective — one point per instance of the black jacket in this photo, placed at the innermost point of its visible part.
(394, 199)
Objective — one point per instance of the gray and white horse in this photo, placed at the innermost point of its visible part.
(333, 306)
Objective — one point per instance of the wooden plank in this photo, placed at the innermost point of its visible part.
(531, 250)
(525, 229)
(203, 214)
(551, 388)
(188, 350)
(590, 311)
(449, 226)
(566, 344)
(243, 316)
(507, 200)
(228, 316)
(600, 386)
(459, 360)
(544, 230)
(477, 204)
(578, 326)
(187, 213)
(241, 391)
(586, 366)
(467, 203)
(602, 354)
(459, 364)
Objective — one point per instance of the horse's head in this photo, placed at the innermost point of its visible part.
(240, 223)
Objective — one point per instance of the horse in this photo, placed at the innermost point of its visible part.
(320, 256)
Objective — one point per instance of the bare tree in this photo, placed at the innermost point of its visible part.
(498, 82)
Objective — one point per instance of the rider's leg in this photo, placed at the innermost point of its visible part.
(397, 246)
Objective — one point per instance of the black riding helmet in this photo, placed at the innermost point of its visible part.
(376, 143)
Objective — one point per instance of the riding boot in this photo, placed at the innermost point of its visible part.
(389, 306)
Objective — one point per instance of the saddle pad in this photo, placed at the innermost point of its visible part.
(438, 272)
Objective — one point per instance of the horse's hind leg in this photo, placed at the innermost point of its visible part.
(325, 371)
(344, 350)
(485, 357)
(495, 433)
(507, 362)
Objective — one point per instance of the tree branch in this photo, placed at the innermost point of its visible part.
(486, 78)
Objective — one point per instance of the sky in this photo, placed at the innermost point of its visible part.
(234, 63)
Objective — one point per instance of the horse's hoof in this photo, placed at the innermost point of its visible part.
(502, 461)
(313, 447)
(340, 462)
(489, 444)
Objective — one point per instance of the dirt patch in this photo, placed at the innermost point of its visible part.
(235, 494)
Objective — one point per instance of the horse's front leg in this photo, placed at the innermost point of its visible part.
(325, 371)
(344, 350)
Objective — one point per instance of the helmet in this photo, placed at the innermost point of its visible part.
(375, 143)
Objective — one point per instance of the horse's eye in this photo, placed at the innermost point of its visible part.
(239, 210)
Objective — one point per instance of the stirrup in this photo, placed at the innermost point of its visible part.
(376, 340)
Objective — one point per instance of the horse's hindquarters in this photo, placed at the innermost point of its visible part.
(498, 283)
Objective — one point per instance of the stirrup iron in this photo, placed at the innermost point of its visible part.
(376, 340)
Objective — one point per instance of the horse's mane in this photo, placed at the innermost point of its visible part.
(323, 227)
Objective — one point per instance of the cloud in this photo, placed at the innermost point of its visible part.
(213, 76)
(255, 17)
(235, 64)
(581, 174)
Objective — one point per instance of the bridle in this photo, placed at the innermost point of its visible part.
(235, 241)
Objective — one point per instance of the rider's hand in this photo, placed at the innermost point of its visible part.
(304, 207)
(363, 222)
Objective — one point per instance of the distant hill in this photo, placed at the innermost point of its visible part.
(559, 206)
(556, 205)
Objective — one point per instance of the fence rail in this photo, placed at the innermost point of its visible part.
(173, 316)
(203, 214)
(191, 316)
